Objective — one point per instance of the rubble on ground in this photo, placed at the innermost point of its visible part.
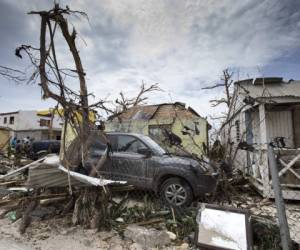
(58, 233)
(126, 223)
(22, 204)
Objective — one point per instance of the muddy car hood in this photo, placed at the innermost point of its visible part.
(181, 161)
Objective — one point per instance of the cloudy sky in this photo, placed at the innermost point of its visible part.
(181, 44)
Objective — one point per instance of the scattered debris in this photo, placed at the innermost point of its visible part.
(30, 194)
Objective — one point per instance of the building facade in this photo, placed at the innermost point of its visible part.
(39, 125)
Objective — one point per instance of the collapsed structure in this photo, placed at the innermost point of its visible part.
(263, 111)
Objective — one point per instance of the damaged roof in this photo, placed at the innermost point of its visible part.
(269, 88)
(158, 111)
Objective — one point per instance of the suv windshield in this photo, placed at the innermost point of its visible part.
(153, 145)
(128, 143)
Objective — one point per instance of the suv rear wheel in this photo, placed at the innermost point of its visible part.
(176, 192)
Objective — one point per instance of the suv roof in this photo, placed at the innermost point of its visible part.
(124, 133)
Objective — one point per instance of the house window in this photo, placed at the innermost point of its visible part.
(11, 120)
(5, 120)
(44, 123)
(237, 130)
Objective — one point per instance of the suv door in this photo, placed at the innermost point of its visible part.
(128, 164)
(97, 150)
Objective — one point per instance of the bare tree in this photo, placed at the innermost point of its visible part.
(228, 100)
(126, 103)
(53, 77)
(226, 84)
(227, 124)
(123, 103)
(56, 83)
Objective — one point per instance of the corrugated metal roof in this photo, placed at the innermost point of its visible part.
(269, 90)
(50, 173)
(49, 176)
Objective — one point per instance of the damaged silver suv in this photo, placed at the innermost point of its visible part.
(141, 162)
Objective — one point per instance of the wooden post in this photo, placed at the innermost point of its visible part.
(263, 163)
(283, 224)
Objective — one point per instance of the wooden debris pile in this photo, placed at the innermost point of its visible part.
(40, 190)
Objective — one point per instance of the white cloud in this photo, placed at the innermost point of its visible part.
(177, 41)
(183, 45)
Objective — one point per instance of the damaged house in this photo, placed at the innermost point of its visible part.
(189, 128)
(40, 125)
(263, 111)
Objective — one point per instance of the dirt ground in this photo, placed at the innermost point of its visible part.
(58, 234)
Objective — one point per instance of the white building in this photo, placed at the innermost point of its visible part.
(35, 124)
(263, 111)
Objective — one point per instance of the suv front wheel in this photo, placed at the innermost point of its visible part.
(176, 192)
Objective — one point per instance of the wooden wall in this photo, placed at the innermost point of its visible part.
(296, 124)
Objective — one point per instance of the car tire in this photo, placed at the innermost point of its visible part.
(176, 192)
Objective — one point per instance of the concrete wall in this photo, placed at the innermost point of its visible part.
(27, 120)
(7, 116)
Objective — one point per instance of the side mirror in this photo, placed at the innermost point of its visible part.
(145, 151)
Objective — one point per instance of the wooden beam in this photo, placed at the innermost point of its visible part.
(289, 165)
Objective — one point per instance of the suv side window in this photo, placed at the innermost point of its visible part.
(128, 143)
(97, 146)
(113, 139)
